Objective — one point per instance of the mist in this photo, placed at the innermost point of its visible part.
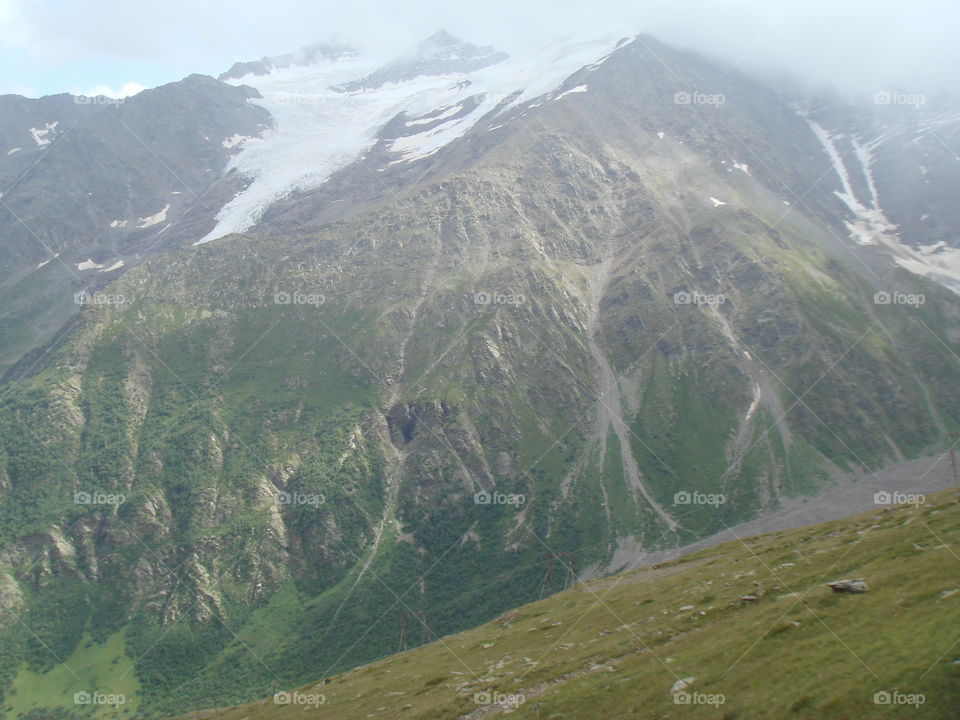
(854, 46)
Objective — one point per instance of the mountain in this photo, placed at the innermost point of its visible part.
(440, 54)
(304, 57)
(749, 629)
(586, 302)
(92, 185)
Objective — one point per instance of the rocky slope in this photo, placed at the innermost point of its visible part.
(89, 186)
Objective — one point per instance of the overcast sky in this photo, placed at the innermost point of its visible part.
(83, 46)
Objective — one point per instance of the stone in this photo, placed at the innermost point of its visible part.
(847, 585)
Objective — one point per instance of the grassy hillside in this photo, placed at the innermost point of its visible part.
(615, 647)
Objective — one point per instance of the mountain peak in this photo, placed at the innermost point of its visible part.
(440, 54)
(442, 38)
(305, 56)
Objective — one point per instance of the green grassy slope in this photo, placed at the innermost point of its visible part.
(615, 647)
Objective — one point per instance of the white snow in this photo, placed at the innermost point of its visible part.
(449, 112)
(89, 264)
(939, 262)
(717, 203)
(421, 145)
(11, 151)
(116, 266)
(152, 220)
(869, 225)
(55, 256)
(578, 89)
(118, 223)
(40, 134)
(660, 135)
(742, 166)
(237, 139)
(318, 130)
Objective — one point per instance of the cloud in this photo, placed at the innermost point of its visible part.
(864, 45)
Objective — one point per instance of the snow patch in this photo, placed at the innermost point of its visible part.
(237, 139)
(89, 264)
(869, 226)
(449, 112)
(11, 151)
(578, 89)
(939, 262)
(116, 266)
(55, 256)
(660, 135)
(118, 223)
(40, 134)
(152, 220)
(742, 166)
(717, 203)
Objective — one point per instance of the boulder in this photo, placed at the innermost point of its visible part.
(847, 585)
(681, 685)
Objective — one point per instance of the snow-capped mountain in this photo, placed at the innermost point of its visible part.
(329, 113)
